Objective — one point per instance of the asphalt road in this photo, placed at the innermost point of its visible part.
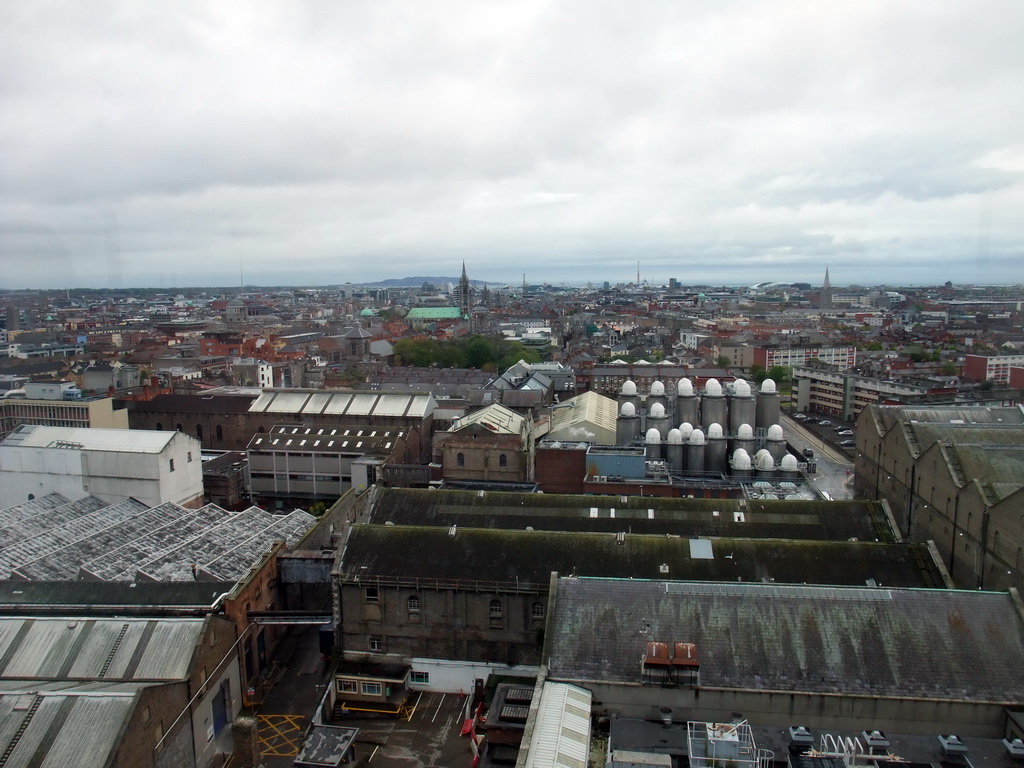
(834, 467)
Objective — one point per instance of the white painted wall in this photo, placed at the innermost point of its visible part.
(111, 475)
(458, 676)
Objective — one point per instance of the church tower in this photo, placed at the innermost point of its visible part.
(465, 298)
(826, 293)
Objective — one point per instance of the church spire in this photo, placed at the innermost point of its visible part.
(826, 292)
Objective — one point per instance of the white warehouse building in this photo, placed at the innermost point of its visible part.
(113, 464)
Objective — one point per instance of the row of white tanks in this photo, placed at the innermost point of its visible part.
(701, 442)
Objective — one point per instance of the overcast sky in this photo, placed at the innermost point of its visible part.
(193, 143)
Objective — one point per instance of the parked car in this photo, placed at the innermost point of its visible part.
(845, 432)
(800, 416)
(825, 423)
(848, 443)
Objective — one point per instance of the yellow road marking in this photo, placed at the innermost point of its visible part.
(280, 735)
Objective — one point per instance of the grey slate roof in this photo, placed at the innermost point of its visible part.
(29, 508)
(803, 519)
(527, 558)
(933, 644)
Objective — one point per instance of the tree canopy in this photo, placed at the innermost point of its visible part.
(487, 353)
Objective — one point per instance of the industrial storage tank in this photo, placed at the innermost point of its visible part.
(789, 467)
(657, 418)
(628, 394)
(695, 452)
(713, 405)
(652, 442)
(776, 442)
(686, 402)
(767, 405)
(717, 450)
(741, 466)
(627, 426)
(674, 452)
(745, 439)
(657, 395)
(764, 465)
(742, 406)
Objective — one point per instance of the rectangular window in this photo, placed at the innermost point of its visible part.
(189, 455)
(420, 678)
(171, 464)
(377, 644)
(372, 595)
(372, 689)
(348, 686)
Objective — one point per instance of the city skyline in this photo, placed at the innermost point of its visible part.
(316, 144)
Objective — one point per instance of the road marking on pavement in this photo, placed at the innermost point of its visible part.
(280, 735)
(438, 708)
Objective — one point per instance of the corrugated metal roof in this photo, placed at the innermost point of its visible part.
(92, 439)
(98, 649)
(561, 735)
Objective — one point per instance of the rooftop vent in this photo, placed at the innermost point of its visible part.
(620, 537)
(1014, 748)
(875, 740)
(452, 531)
(952, 745)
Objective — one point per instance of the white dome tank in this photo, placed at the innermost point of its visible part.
(715, 431)
(657, 411)
(627, 411)
(745, 432)
(686, 429)
(789, 463)
(675, 437)
(741, 389)
(629, 388)
(697, 437)
(657, 388)
(768, 387)
(653, 436)
(684, 387)
(741, 460)
(764, 461)
(713, 388)
(774, 432)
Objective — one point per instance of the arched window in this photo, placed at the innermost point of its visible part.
(503, 460)
(537, 610)
(179, 428)
(261, 429)
(460, 459)
(199, 431)
(160, 426)
(414, 604)
(220, 433)
(495, 609)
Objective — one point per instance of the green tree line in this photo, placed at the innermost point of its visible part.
(486, 353)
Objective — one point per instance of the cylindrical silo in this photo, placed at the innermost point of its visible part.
(767, 405)
(628, 394)
(745, 439)
(674, 450)
(712, 404)
(657, 395)
(627, 426)
(776, 442)
(717, 450)
(742, 406)
(695, 452)
(789, 468)
(652, 443)
(742, 467)
(686, 402)
(685, 430)
(764, 465)
(657, 418)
